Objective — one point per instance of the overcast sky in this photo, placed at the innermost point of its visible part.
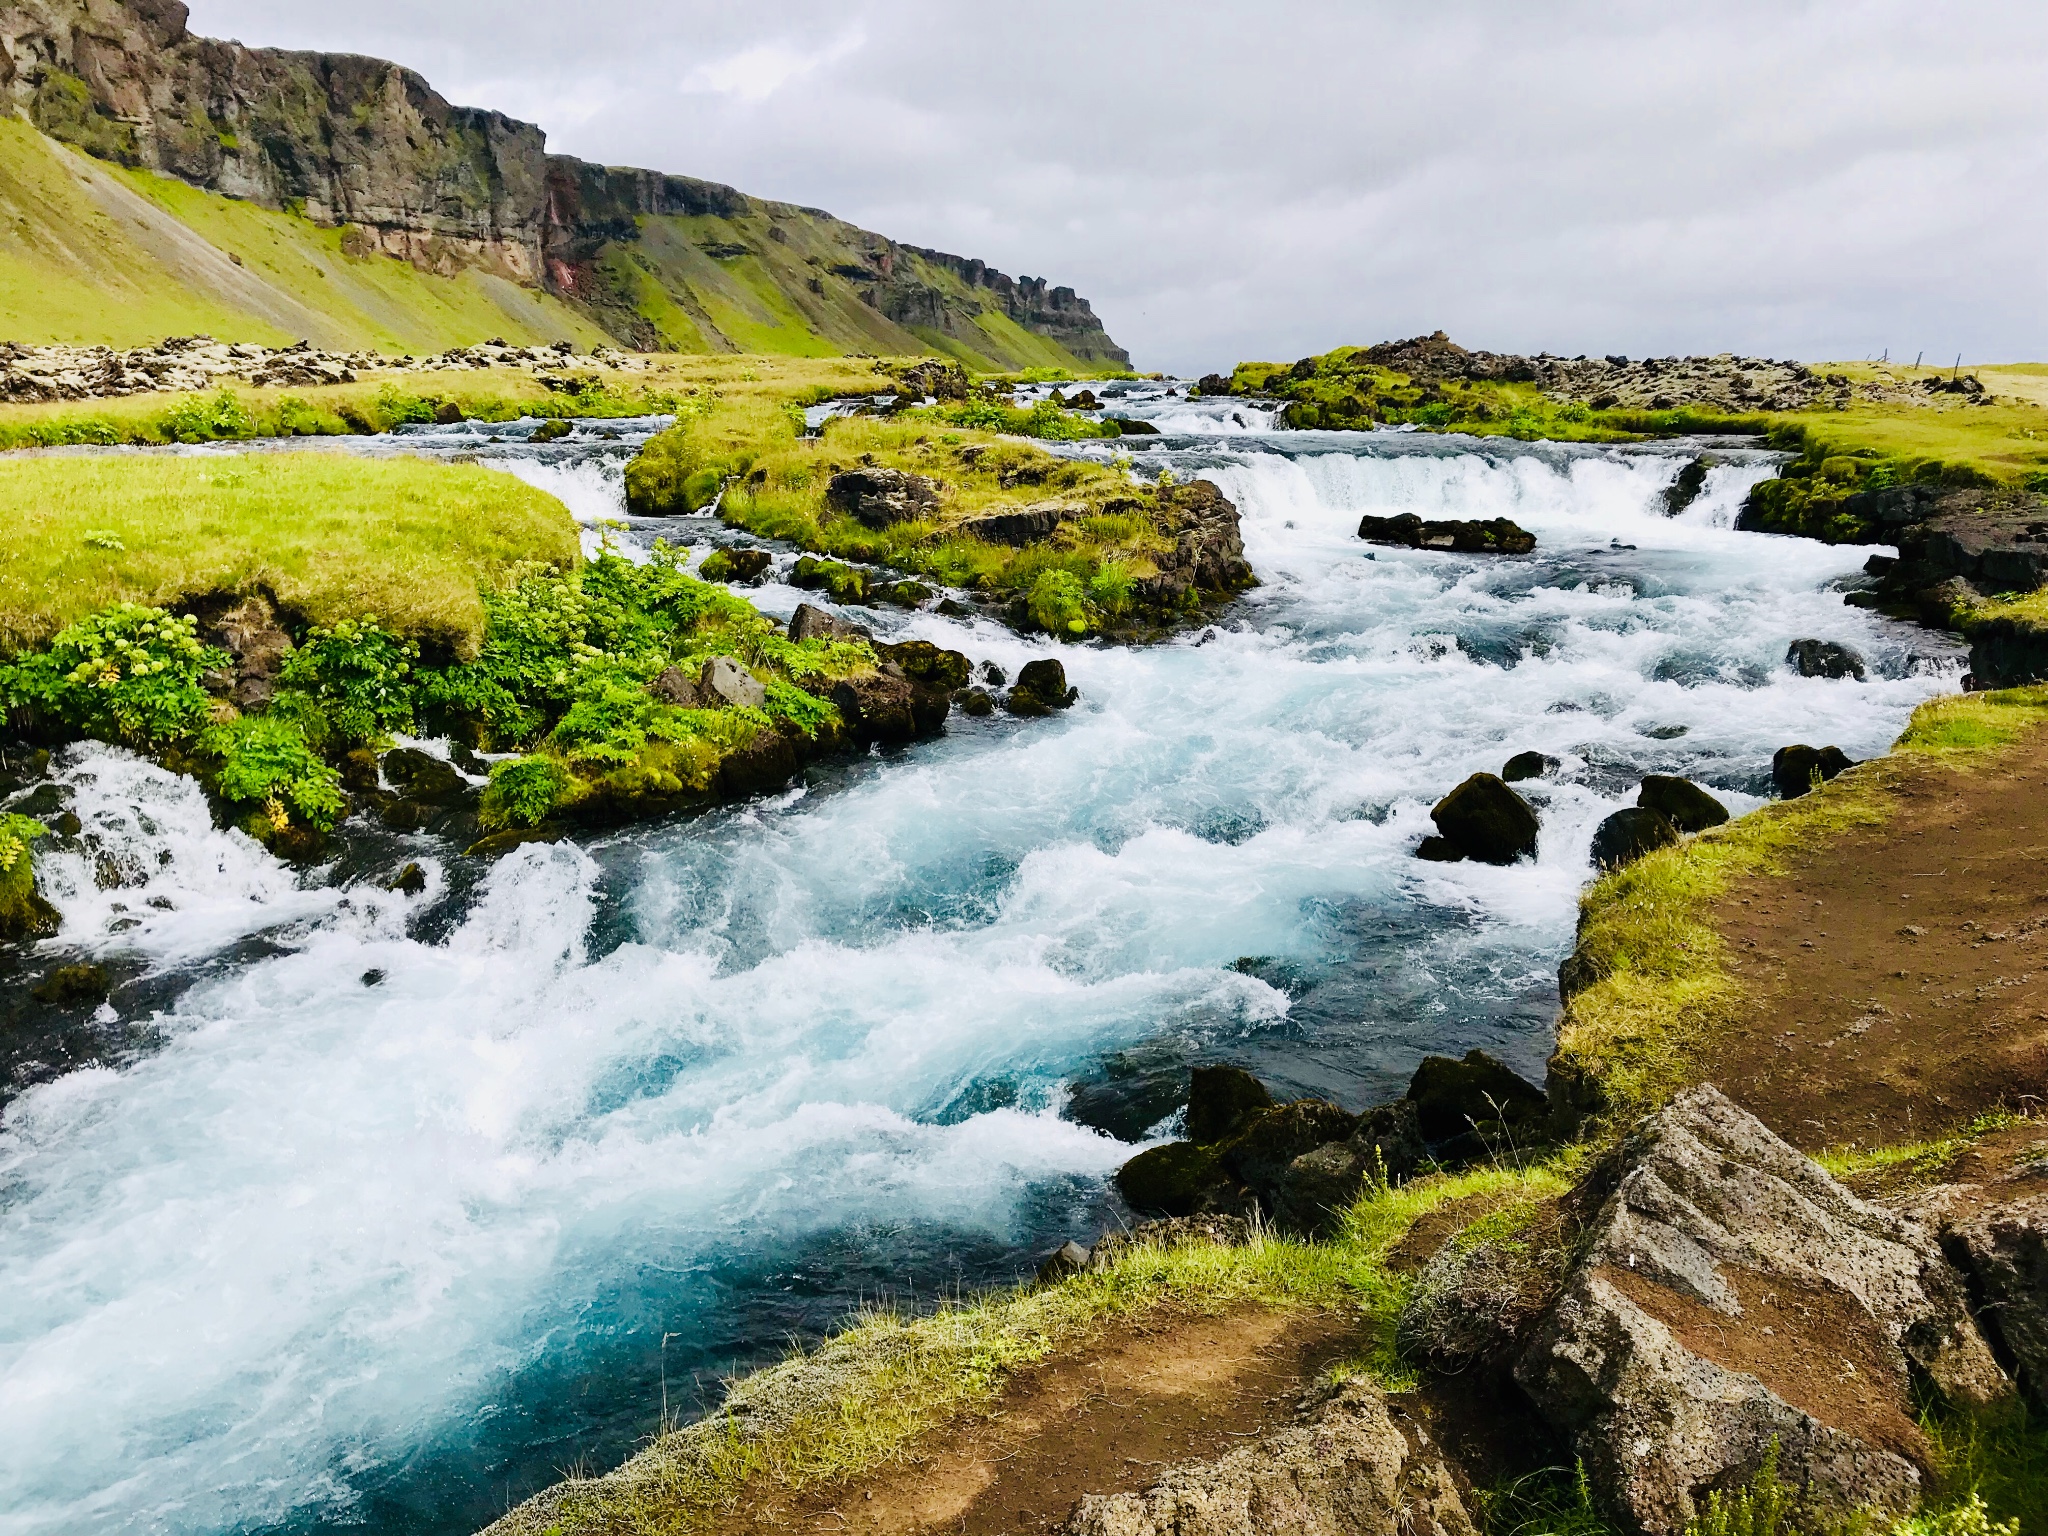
(1267, 180)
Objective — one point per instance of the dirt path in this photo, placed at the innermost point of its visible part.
(1900, 971)
(1163, 1389)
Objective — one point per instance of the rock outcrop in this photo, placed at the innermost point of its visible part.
(1730, 1296)
(1488, 536)
(1361, 1466)
(881, 498)
(1793, 769)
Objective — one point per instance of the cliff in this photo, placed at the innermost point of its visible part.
(367, 145)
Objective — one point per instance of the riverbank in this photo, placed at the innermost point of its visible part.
(1765, 956)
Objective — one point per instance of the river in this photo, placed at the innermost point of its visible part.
(379, 1212)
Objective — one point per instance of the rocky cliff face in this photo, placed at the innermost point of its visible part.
(369, 144)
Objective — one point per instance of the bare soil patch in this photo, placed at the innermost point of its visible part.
(1157, 1390)
(1899, 973)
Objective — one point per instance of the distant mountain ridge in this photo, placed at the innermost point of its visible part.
(658, 261)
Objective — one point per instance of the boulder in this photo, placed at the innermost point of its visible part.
(1823, 658)
(1685, 490)
(908, 594)
(1361, 1466)
(724, 681)
(1453, 1097)
(740, 565)
(1528, 765)
(1027, 525)
(1320, 1185)
(1681, 802)
(1220, 1100)
(1177, 1179)
(813, 623)
(878, 706)
(72, 986)
(1487, 536)
(881, 498)
(1260, 1151)
(1793, 768)
(409, 881)
(762, 766)
(1070, 1258)
(423, 777)
(1630, 833)
(553, 430)
(1131, 426)
(2004, 1250)
(977, 703)
(922, 662)
(677, 687)
(1041, 687)
(1438, 850)
(1728, 1296)
(1485, 820)
(846, 584)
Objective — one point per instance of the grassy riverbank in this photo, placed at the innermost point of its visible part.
(330, 536)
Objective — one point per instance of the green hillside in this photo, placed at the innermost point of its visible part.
(94, 253)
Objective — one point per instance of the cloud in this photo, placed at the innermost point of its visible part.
(1817, 178)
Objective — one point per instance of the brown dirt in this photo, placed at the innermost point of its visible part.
(1899, 972)
(1159, 1390)
(1816, 1348)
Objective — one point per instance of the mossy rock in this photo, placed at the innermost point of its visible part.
(843, 582)
(1681, 802)
(24, 914)
(1220, 1100)
(1485, 820)
(69, 986)
(1451, 1096)
(1629, 834)
(1259, 1152)
(923, 662)
(1174, 1179)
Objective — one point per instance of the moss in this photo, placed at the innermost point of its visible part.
(23, 912)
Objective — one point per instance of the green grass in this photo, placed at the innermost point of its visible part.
(1646, 931)
(868, 1394)
(331, 535)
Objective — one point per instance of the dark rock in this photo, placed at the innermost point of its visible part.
(1208, 546)
(1026, 526)
(1630, 833)
(1490, 536)
(1485, 820)
(1257, 1155)
(812, 623)
(953, 609)
(887, 706)
(1220, 1100)
(1041, 687)
(409, 881)
(1070, 1258)
(977, 703)
(551, 431)
(1322, 1184)
(498, 844)
(1681, 802)
(1361, 1466)
(1438, 850)
(69, 986)
(908, 594)
(448, 414)
(1175, 1179)
(1654, 1361)
(1528, 765)
(1793, 768)
(762, 766)
(923, 662)
(1823, 658)
(1684, 491)
(735, 565)
(1130, 427)
(1453, 1098)
(677, 687)
(359, 770)
(1211, 385)
(1129, 1099)
(880, 498)
(2004, 1251)
(993, 675)
(423, 777)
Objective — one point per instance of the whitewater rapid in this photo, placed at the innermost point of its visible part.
(413, 1201)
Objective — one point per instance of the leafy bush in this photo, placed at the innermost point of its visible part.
(1056, 603)
(523, 793)
(266, 760)
(206, 419)
(1110, 587)
(400, 408)
(127, 673)
(17, 874)
(360, 675)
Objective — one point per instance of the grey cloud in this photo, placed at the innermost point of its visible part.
(1818, 180)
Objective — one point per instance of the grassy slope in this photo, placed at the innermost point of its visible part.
(332, 536)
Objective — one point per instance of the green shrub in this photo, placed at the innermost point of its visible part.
(17, 865)
(523, 793)
(266, 760)
(400, 408)
(1110, 587)
(128, 673)
(206, 419)
(359, 674)
(1056, 603)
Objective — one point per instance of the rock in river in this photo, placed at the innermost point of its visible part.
(1528, 765)
(1793, 769)
(1628, 834)
(1681, 802)
(1487, 536)
(1823, 658)
(1485, 820)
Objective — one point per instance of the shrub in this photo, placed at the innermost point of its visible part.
(359, 674)
(1056, 603)
(266, 760)
(523, 793)
(207, 419)
(1110, 587)
(127, 673)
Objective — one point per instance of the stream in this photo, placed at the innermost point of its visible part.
(378, 1213)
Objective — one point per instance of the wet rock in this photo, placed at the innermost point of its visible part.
(993, 675)
(409, 881)
(423, 777)
(1208, 546)
(552, 430)
(1438, 850)
(1360, 1467)
(1477, 1096)
(977, 703)
(763, 766)
(881, 498)
(1322, 1184)
(498, 844)
(359, 771)
(72, 986)
(908, 594)
(1823, 658)
(1681, 802)
(1041, 688)
(923, 662)
(726, 681)
(2004, 1251)
(1730, 1295)
(1260, 1151)
(1488, 536)
(1130, 1098)
(1177, 1179)
(843, 582)
(735, 565)
(813, 623)
(1793, 769)
(1070, 1258)
(1630, 833)
(448, 414)
(1027, 525)
(1129, 426)
(1685, 490)
(1528, 765)
(886, 706)
(1221, 1100)
(1485, 820)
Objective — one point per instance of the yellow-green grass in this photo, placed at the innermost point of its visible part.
(870, 1393)
(1662, 982)
(92, 253)
(330, 535)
